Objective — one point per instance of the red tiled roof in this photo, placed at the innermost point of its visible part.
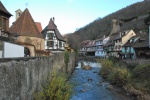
(91, 43)
(3, 9)
(39, 26)
(25, 26)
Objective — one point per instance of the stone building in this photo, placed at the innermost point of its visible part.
(25, 32)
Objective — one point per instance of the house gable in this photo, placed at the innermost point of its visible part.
(52, 27)
(4, 10)
(128, 35)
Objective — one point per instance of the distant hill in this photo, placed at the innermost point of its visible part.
(133, 17)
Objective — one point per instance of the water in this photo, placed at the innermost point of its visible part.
(88, 85)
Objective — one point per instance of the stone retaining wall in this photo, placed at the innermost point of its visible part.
(20, 78)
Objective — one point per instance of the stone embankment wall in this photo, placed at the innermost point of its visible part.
(20, 77)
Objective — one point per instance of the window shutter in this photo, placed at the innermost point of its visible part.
(48, 43)
(60, 44)
(52, 34)
(52, 43)
(48, 35)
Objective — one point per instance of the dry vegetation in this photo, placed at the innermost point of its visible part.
(132, 76)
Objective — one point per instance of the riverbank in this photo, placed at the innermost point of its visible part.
(131, 76)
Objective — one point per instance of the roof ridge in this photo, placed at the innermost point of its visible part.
(23, 20)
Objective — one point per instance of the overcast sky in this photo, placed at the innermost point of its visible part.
(69, 14)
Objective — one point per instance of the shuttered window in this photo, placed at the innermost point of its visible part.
(60, 44)
(50, 43)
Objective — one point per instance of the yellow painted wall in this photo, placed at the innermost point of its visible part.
(128, 36)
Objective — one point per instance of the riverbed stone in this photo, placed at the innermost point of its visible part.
(109, 87)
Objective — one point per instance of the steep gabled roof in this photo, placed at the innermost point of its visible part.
(39, 26)
(52, 26)
(143, 41)
(4, 10)
(25, 26)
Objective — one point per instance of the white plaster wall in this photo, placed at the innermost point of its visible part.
(13, 50)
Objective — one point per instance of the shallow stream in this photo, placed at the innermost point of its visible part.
(89, 85)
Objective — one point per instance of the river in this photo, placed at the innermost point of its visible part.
(89, 85)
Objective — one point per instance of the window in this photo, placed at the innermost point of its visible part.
(115, 47)
(60, 44)
(1, 45)
(50, 43)
(119, 47)
(19, 14)
(50, 35)
(125, 49)
(119, 40)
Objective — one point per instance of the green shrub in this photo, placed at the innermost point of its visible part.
(142, 72)
(66, 60)
(141, 77)
(132, 65)
(114, 59)
(55, 89)
(106, 67)
(119, 76)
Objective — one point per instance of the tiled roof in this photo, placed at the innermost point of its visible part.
(130, 44)
(25, 26)
(39, 26)
(3, 9)
(112, 38)
(84, 43)
(91, 43)
(52, 26)
(143, 41)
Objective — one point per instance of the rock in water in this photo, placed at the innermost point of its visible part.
(109, 87)
(85, 67)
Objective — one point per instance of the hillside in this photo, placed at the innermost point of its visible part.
(137, 12)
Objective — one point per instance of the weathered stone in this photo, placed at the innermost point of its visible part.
(19, 79)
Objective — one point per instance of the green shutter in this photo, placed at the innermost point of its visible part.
(48, 35)
(52, 43)
(52, 34)
(48, 43)
(60, 44)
